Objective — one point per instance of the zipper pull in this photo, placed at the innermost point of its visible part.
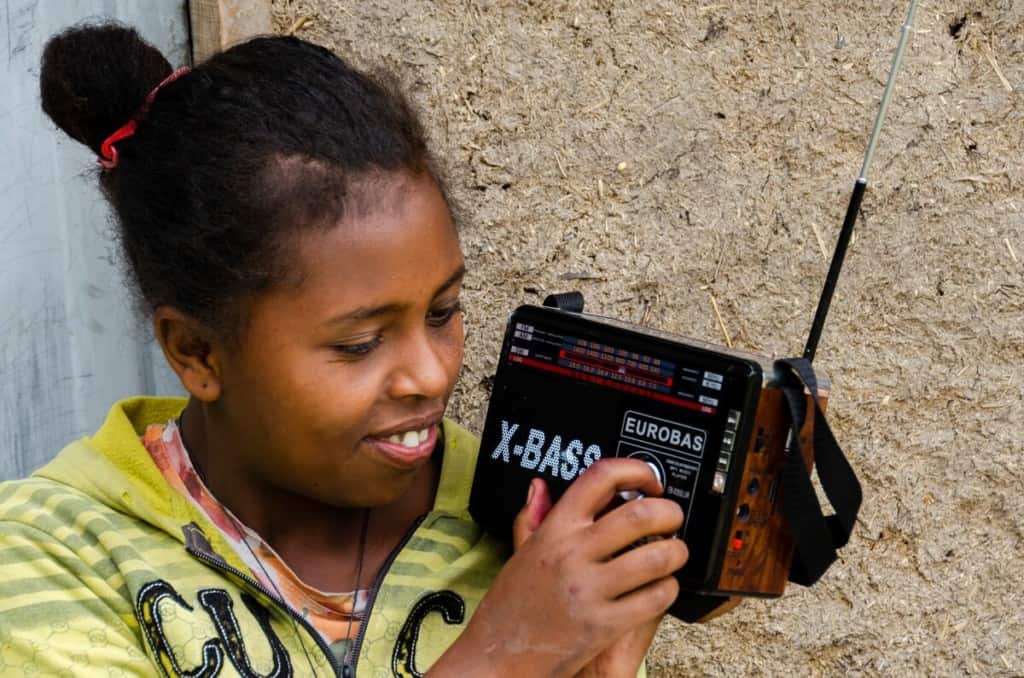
(347, 672)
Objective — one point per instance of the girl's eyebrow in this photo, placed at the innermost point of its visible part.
(454, 278)
(367, 312)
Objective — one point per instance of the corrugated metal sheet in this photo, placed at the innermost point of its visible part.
(69, 343)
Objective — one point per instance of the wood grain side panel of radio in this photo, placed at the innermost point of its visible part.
(759, 550)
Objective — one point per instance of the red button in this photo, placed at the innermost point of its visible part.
(737, 544)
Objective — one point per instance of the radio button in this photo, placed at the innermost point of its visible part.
(728, 440)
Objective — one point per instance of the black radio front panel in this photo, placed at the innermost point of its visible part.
(570, 390)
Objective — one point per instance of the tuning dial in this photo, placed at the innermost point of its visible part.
(630, 495)
(657, 472)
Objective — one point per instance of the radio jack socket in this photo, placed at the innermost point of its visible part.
(759, 441)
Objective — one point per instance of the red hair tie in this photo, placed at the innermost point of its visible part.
(108, 159)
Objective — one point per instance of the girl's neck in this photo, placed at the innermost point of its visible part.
(319, 542)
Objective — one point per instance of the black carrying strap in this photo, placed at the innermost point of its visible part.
(815, 535)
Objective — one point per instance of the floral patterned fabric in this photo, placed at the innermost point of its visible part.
(336, 616)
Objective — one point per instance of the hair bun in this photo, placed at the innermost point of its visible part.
(95, 77)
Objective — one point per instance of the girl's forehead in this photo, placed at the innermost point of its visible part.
(398, 253)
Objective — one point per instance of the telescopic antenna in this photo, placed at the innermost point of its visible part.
(858, 194)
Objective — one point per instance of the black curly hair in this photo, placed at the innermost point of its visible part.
(261, 141)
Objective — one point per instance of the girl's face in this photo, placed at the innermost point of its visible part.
(340, 382)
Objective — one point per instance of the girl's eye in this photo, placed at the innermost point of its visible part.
(443, 315)
(436, 318)
(357, 349)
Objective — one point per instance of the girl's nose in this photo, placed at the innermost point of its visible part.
(422, 371)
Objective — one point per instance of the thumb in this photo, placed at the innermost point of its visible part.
(538, 503)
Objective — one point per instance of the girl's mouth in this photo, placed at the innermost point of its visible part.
(407, 449)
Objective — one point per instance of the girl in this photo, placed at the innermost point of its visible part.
(304, 512)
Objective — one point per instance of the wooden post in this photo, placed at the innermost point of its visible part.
(217, 24)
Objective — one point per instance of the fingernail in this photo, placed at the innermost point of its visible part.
(530, 492)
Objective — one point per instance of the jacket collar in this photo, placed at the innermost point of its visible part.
(114, 468)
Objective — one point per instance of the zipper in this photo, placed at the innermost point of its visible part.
(349, 670)
(321, 643)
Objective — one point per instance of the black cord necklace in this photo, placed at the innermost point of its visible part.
(347, 670)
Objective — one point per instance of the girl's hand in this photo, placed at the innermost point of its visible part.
(573, 590)
(622, 657)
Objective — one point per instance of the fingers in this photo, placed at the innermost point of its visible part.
(642, 565)
(592, 491)
(632, 521)
(538, 503)
(646, 603)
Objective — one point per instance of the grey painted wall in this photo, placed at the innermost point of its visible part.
(70, 344)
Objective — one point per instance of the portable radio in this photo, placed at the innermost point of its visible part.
(712, 423)
(732, 437)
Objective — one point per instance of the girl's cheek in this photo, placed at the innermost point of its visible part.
(456, 342)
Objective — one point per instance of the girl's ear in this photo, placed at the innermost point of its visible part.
(189, 347)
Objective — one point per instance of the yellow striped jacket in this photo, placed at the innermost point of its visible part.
(106, 571)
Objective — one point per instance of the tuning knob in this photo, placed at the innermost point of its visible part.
(630, 495)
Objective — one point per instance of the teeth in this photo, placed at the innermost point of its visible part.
(410, 438)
